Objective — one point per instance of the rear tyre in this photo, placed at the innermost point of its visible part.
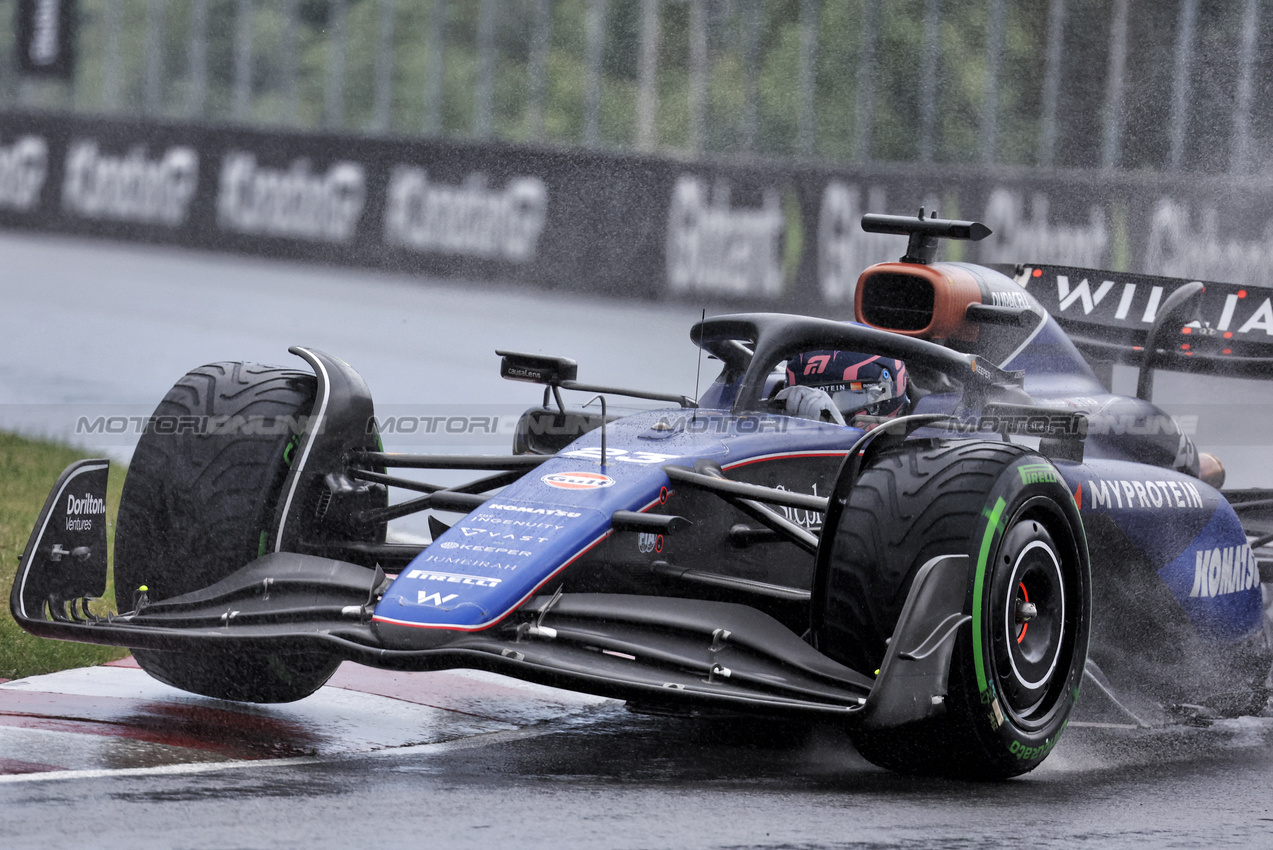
(198, 502)
(1015, 670)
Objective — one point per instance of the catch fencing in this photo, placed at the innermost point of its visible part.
(1168, 86)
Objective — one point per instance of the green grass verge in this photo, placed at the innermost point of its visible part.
(28, 469)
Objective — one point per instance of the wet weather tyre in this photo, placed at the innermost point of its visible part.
(1016, 667)
(200, 496)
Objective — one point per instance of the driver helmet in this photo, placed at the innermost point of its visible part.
(857, 383)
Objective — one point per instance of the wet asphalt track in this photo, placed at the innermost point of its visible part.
(88, 327)
(612, 780)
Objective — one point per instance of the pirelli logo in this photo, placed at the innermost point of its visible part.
(453, 578)
(1037, 473)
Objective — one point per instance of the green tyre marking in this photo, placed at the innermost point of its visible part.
(992, 528)
(289, 451)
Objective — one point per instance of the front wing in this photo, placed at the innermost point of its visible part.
(668, 652)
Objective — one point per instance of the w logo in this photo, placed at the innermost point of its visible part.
(437, 600)
(1082, 293)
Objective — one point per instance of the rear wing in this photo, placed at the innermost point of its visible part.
(1158, 322)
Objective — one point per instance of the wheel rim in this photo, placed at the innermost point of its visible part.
(1031, 620)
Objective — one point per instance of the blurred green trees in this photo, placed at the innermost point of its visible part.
(868, 100)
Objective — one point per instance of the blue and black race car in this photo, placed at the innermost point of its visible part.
(930, 526)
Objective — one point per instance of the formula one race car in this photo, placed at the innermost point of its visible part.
(929, 526)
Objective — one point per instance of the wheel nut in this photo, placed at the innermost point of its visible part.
(1026, 611)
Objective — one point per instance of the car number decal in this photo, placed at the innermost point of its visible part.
(621, 455)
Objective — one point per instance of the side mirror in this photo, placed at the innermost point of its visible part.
(536, 368)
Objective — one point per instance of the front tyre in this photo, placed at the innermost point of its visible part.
(197, 504)
(1015, 669)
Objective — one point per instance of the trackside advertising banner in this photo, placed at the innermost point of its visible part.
(711, 233)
